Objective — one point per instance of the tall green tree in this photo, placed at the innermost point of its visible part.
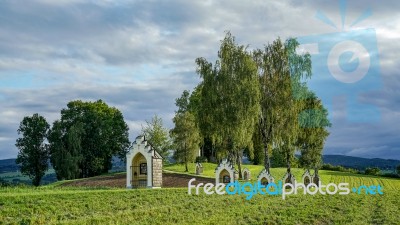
(195, 108)
(66, 150)
(314, 122)
(256, 153)
(158, 136)
(183, 102)
(299, 69)
(280, 73)
(186, 138)
(185, 134)
(84, 140)
(202, 116)
(231, 96)
(33, 155)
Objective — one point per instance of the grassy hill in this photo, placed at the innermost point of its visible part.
(278, 173)
(175, 206)
(55, 204)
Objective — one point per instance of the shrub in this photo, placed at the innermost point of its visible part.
(338, 168)
(372, 171)
(201, 159)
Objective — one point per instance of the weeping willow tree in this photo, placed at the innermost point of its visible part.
(230, 98)
(260, 100)
(314, 122)
(281, 71)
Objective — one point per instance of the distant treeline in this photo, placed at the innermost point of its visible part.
(359, 163)
(375, 171)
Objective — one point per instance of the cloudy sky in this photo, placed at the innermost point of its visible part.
(139, 56)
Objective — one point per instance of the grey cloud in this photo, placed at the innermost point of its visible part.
(136, 103)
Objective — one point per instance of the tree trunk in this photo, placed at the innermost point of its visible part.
(266, 138)
(202, 151)
(288, 162)
(186, 160)
(239, 162)
(267, 163)
(232, 158)
(212, 158)
(36, 180)
(316, 177)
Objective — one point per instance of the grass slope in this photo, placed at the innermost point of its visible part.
(171, 206)
(278, 173)
(56, 205)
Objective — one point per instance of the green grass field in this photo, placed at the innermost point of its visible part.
(278, 173)
(56, 205)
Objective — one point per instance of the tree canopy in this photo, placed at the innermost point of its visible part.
(33, 155)
(158, 136)
(281, 71)
(185, 134)
(258, 101)
(313, 120)
(84, 140)
(230, 97)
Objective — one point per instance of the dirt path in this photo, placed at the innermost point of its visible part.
(119, 180)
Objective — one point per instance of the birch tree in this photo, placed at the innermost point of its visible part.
(231, 95)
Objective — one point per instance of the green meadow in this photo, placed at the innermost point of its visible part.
(54, 204)
(278, 173)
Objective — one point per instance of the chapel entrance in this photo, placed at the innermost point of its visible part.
(139, 171)
(225, 177)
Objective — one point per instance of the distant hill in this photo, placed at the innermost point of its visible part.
(8, 165)
(360, 163)
(9, 172)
